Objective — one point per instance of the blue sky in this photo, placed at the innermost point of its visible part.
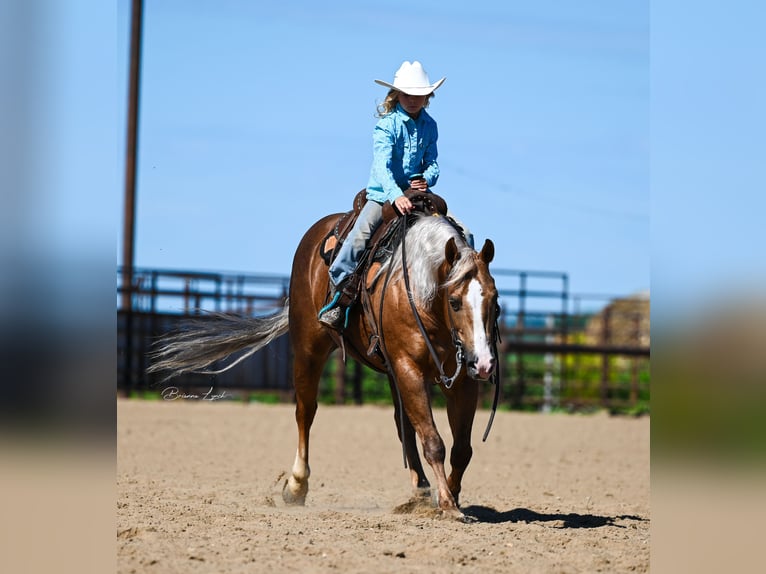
(256, 120)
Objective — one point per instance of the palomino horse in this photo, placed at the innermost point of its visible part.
(453, 330)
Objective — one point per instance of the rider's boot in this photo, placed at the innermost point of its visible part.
(333, 314)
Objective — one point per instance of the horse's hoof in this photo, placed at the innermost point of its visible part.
(424, 492)
(294, 492)
(454, 514)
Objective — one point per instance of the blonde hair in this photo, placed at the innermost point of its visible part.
(392, 98)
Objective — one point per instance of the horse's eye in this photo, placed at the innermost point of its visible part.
(497, 310)
(454, 302)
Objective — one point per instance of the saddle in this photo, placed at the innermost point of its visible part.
(381, 244)
(332, 242)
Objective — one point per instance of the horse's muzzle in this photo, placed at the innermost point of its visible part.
(481, 369)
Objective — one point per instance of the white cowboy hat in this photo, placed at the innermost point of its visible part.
(412, 80)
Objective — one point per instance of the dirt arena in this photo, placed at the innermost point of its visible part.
(198, 486)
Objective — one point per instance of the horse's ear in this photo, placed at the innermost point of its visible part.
(487, 252)
(451, 252)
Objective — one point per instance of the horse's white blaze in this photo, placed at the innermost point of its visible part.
(484, 358)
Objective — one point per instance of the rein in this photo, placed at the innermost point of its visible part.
(382, 346)
(495, 379)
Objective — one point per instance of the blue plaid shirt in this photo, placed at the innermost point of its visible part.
(402, 147)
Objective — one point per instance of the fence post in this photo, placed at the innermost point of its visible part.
(518, 398)
(548, 362)
(634, 361)
(520, 329)
(187, 294)
(606, 336)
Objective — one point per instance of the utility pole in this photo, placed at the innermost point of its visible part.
(129, 214)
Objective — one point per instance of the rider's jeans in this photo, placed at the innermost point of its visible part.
(368, 221)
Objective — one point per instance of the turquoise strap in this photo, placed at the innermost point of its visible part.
(331, 304)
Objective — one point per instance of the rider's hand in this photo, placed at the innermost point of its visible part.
(419, 185)
(403, 205)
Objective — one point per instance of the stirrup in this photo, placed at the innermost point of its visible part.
(335, 317)
(331, 305)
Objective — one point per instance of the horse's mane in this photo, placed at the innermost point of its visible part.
(425, 243)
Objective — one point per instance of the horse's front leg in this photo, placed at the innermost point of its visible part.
(417, 405)
(420, 484)
(461, 408)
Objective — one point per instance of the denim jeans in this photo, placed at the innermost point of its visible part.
(368, 221)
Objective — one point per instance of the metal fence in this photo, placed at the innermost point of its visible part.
(558, 350)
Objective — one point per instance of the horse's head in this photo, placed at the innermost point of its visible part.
(452, 285)
(470, 300)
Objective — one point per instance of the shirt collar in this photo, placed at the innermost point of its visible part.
(405, 116)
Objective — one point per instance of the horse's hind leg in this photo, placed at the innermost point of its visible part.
(420, 484)
(461, 408)
(306, 374)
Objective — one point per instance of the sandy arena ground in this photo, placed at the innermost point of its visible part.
(198, 486)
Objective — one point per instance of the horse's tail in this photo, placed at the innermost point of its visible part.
(201, 343)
